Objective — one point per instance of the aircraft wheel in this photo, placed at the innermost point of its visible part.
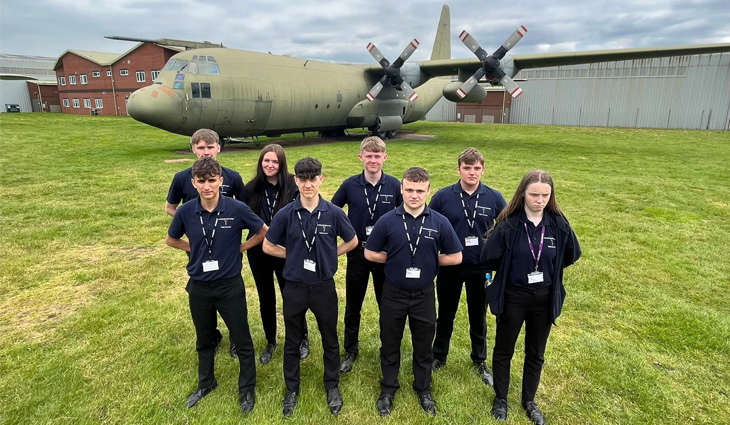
(391, 134)
(376, 131)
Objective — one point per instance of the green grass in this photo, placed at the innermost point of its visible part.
(95, 327)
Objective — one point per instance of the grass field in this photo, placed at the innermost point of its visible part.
(94, 321)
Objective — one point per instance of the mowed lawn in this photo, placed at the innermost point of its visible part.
(95, 326)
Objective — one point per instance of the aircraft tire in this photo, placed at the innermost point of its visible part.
(391, 134)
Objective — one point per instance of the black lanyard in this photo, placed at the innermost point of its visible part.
(212, 235)
(375, 204)
(474, 215)
(418, 239)
(304, 234)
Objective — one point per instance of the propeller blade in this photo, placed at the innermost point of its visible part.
(412, 95)
(473, 45)
(407, 52)
(510, 42)
(511, 86)
(377, 55)
(373, 93)
(470, 83)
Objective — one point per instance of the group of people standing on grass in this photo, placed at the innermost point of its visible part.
(461, 238)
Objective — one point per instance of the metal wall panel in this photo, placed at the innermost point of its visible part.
(689, 92)
(15, 91)
(444, 110)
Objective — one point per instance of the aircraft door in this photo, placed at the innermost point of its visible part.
(262, 112)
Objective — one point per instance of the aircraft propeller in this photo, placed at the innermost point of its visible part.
(490, 64)
(392, 71)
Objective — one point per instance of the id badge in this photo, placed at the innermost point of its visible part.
(210, 266)
(368, 230)
(310, 265)
(413, 273)
(471, 241)
(534, 277)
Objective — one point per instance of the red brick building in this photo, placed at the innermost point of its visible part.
(102, 82)
(44, 96)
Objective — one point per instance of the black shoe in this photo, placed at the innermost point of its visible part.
(384, 404)
(533, 412)
(484, 373)
(427, 403)
(198, 394)
(268, 353)
(499, 409)
(233, 350)
(334, 400)
(346, 365)
(304, 348)
(289, 403)
(218, 340)
(246, 402)
(437, 364)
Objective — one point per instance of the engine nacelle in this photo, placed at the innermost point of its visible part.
(476, 95)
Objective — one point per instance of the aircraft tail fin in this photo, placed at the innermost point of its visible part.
(442, 43)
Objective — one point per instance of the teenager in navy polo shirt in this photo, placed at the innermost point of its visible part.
(471, 207)
(305, 233)
(530, 245)
(368, 196)
(214, 225)
(417, 240)
(205, 144)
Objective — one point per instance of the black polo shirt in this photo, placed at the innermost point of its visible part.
(232, 218)
(523, 262)
(389, 235)
(182, 189)
(383, 197)
(488, 204)
(324, 224)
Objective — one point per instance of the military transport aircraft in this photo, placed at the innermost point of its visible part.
(242, 94)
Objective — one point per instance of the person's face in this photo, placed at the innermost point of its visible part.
(270, 164)
(415, 193)
(372, 161)
(471, 174)
(537, 196)
(207, 187)
(205, 149)
(309, 188)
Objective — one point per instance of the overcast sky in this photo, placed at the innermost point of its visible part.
(340, 30)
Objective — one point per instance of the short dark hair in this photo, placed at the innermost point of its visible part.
(307, 168)
(471, 156)
(206, 167)
(208, 135)
(417, 175)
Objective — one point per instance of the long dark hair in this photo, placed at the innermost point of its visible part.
(256, 187)
(517, 203)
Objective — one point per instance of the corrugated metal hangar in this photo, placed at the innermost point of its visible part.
(688, 92)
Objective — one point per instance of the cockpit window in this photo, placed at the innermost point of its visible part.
(213, 69)
(202, 59)
(204, 65)
(175, 65)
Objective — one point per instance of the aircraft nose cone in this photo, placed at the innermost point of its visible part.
(156, 105)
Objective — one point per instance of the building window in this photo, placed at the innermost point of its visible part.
(99, 103)
(72, 79)
(155, 74)
(83, 79)
(108, 72)
(65, 103)
(123, 72)
(87, 103)
(62, 80)
(76, 103)
(96, 74)
(140, 77)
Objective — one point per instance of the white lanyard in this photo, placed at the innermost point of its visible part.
(367, 199)
(271, 205)
(474, 215)
(212, 235)
(306, 241)
(418, 239)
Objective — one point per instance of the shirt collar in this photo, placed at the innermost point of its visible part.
(546, 220)
(401, 210)
(322, 206)
(221, 207)
(364, 182)
(481, 189)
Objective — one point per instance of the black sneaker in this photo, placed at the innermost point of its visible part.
(267, 353)
(304, 348)
(346, 365)
(437, 364)
(484, 373)
(384, 404)
(427, 403)
(533, 412)
(246, 402)
(289, 403)
(499, 409)
(334, 400)
(198, 394)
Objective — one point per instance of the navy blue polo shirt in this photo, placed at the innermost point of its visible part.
(182, 189)
(326, 221)
(523, 262)
(383, 197)
(487, 202)
(233, 217)
(389, 235)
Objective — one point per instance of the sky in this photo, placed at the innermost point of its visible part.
(339, 31)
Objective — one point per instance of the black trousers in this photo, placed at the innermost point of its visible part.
(531, 307)
(228, 297)
(420, 309)
(264, 267)
(321, 298)
(356, 285)
(448, 288)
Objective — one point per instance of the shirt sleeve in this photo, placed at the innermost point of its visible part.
(572, 249)
(449, 242)
(398, 197)
(344, 227)
(493, 250)
(175, 193)
(249, 220)
(277, 230)
(377, 239)
(239, 189)
(340, 198)
(177, 227)
(435, 203)
(501, 203)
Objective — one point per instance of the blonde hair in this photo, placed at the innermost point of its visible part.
(372, 144)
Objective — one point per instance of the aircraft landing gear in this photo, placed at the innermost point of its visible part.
(332, 133)
(391, 134)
